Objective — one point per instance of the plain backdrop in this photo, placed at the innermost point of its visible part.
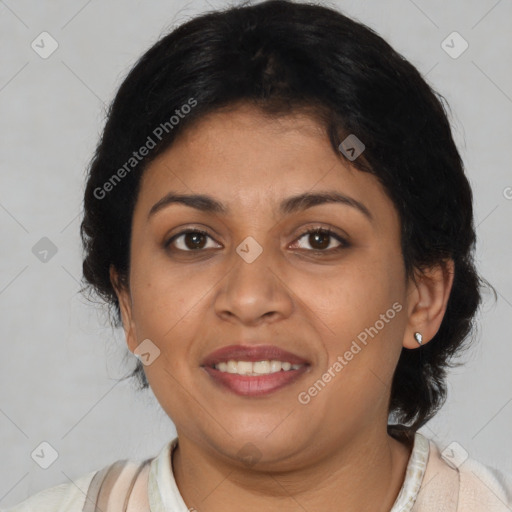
(60, 360)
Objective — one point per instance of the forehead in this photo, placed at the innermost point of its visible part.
(251, 161)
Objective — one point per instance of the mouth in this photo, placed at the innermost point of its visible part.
(254, 370)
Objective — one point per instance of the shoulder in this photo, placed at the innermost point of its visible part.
(117, 477)
(458, 482)
(68, 497)
(484, 486)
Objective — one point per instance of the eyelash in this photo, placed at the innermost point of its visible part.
(318, 230)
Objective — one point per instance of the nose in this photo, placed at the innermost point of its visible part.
(254, 290)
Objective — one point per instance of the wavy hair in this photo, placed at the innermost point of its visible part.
(284, 56)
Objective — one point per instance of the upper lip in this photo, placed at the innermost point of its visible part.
(251, 353)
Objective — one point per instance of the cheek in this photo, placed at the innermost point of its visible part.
(169, 309)
(363, 307)
(353, 295)
(166, 312)
(163, 297)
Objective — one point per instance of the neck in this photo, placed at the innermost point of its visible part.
(365, 474)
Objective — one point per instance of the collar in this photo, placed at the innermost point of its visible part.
(413, 475)
(164, 495)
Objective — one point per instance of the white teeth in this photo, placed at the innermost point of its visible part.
(260, 367)
(223, 367)
(256, 368)
(231, 367)
(275, 366)
(244, 367)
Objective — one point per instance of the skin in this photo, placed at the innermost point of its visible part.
(335, 449)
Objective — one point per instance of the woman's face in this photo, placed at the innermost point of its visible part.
(258, 278)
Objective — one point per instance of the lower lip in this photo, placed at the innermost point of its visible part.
(246, 385)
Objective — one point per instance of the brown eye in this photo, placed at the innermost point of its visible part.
(321, 239)
(189, 240)
(194, 240)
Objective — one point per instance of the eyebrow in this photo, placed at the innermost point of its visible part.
(289, 205)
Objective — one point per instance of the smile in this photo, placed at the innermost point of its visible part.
(259, 378)
(256, 368)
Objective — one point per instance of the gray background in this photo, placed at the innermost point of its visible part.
(60, 360)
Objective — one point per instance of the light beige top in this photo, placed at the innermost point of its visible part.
(434, 482)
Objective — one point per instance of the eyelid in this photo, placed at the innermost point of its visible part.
(185, 231)
(342, 239)
(309, 229)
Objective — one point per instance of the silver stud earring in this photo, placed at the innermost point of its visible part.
(418, 337)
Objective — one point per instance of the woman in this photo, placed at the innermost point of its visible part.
(279, 216)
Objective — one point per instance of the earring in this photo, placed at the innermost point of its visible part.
(418, 337)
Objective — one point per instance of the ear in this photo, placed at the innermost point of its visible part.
(125, 305)
(428, 295)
